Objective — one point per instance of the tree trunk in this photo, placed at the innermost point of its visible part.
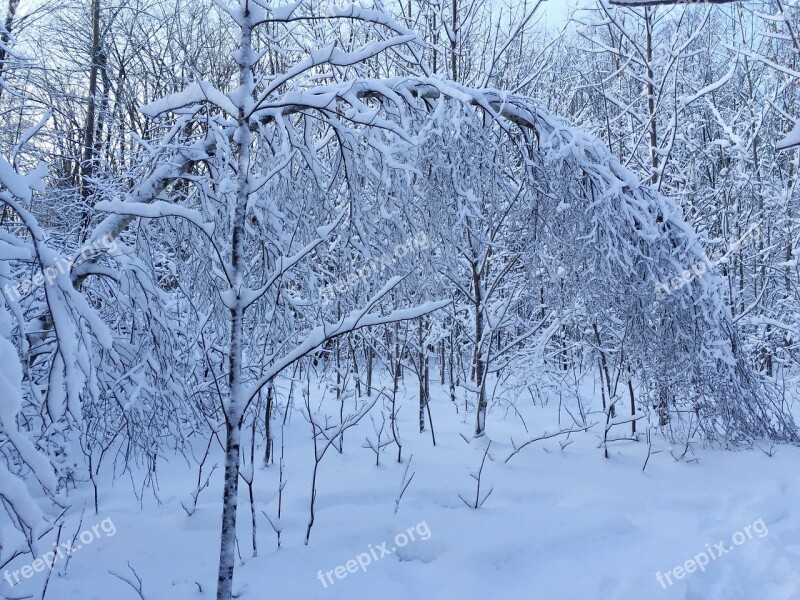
(369, 369)
(89, 137)
(5, 36)
(234, 411)
(441, 362)
(268, 426)
(421, 371)
(454, 43)
(651, 99)
(480, 424)
(633, 406)
(230, 501)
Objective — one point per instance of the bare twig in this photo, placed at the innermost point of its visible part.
(404, 485)
(135, 582)
(546, 436)
(477, 477)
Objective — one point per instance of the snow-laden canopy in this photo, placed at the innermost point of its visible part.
(608, 251)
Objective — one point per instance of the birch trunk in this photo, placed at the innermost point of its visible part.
(234, 411)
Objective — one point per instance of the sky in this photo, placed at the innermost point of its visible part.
(556, 12)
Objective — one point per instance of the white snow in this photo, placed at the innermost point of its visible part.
(791, 140)
(561, 522)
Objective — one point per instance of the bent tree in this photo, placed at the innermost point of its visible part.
(245, 196)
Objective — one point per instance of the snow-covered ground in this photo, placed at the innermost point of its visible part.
(561, 523)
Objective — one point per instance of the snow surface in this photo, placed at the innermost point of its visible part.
(560, 523)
